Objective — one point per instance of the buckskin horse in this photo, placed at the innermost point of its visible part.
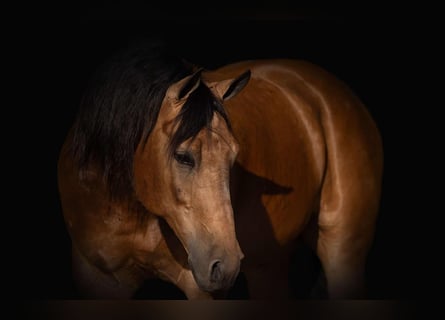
(191, 175)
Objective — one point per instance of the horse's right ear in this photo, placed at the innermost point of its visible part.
(185, 86)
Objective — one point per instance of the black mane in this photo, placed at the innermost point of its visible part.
(121, 105)
(196, 114)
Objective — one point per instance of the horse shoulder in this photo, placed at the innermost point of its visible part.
(108, 233)
(354, 152)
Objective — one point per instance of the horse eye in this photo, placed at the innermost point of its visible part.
(185, 159)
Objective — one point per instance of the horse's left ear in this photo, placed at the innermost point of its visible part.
(185, 86)
(229, 88)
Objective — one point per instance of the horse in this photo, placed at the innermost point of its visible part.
(194, 175)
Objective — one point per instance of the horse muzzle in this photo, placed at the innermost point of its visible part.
(215, 273)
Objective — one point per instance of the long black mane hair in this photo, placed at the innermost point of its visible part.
(121, 105)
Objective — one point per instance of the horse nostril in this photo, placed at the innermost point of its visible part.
(216, 273)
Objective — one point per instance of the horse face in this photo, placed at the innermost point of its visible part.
(189, 188)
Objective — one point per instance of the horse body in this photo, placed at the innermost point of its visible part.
(308, 164)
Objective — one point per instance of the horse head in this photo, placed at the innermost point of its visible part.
(181, 174)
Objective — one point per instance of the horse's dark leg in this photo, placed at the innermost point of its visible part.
(269, 280)
(187, 284)
(93, 283)
(344, 268)
(345, 235)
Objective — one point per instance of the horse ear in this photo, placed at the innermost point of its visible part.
(185, 86)
(229, 88)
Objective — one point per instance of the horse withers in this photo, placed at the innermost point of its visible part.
(192, 175)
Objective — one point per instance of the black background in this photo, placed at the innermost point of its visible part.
(382, 52)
